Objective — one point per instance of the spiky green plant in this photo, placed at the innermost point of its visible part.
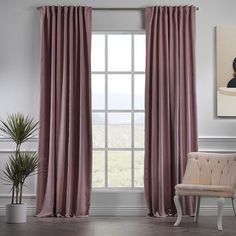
(19, 128)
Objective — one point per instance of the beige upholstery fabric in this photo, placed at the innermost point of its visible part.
(204, 190)
(209, 174)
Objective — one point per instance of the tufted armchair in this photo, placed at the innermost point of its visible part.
(207, 175)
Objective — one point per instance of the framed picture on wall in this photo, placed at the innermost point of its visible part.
(226, 70)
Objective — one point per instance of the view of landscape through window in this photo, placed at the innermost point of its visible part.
(118, 74)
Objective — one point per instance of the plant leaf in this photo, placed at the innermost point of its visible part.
(18, 127)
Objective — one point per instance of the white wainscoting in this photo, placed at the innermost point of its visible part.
(114, 202)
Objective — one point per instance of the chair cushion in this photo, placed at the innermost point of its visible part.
(204, 190)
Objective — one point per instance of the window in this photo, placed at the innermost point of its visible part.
(118, 74)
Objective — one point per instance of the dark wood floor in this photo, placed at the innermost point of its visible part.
(116, 226)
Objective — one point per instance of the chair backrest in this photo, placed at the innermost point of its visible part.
(210, 169)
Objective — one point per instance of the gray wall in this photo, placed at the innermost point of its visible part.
(19, 79)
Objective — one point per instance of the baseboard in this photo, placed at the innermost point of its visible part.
(131, 211)
(97, 211)
(211, 210)
(118, 211)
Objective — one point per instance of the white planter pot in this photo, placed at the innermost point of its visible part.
(16, 213)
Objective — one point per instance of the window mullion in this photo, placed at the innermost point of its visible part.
(117, 111)
(106, 108)
(132, 110)
(117, 72)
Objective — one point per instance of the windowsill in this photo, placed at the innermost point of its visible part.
(118, 190)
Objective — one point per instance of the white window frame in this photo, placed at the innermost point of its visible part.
(131, 111)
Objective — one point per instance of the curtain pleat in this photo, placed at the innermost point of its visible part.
(65, 140)
(170, 104)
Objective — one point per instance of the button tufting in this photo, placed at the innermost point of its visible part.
(222, 172)
(207, 160)
(218, 161)
(196, 158)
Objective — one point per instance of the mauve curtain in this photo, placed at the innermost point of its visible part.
(170, 104)
(64, 178)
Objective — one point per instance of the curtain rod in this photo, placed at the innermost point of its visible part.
(123, 8)
(119, 8)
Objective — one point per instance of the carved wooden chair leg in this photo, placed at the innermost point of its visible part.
(233, 206)
(220, 213)
(179, 210)
(197, 208)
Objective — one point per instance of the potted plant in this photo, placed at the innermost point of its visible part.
(21, 164)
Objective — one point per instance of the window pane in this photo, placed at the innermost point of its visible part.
(119, 169)
(98, 91)
(139, 130)
(98, 169)
(119, 52)
(119, 130)
(139, 87)
(119, 91)
(98, 130)
(139, 52)
(138, 168)
(98, 52)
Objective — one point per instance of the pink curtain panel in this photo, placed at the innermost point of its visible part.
(170, 104)
(65, 140)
